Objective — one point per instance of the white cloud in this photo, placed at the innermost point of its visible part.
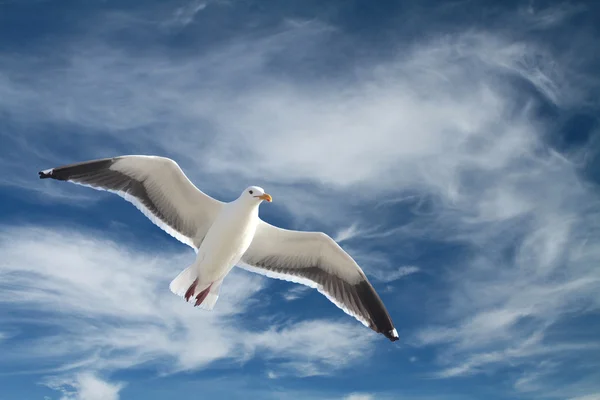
(109, 308)
(331, 345)
(594, 396)
(400, 273)
(272, 375)
(359, 396)
(387, 128)
(543, 18)
(401, 125)
(86, 386)
(526, 351)
(534, 380)
(346, 233)
(185, 14)
(296, 292)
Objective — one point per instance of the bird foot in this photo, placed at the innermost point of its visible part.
(202, 295)
(191, 290)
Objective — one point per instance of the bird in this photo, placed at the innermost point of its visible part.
(229, 234)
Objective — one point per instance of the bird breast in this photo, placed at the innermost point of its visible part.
(226, 241)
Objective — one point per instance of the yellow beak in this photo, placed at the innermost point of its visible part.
(266, 197)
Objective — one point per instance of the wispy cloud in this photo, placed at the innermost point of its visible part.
(359, 396)
(86, 386)
(185, 14)
(346, 233)
(331, 346)
(544, 18)
(110, 308)
(399, 273)
(296, 292)
(412, 148)
(594, 396)
(526, 351)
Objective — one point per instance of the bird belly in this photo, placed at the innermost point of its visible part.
(225, 243)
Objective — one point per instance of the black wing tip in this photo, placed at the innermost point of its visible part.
(69, 171)
(380, 319)
(392, 335)
(46, 174)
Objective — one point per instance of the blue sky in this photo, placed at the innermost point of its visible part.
(451, 148)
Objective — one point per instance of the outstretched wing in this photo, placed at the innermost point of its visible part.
(316, 260)
(155, 185)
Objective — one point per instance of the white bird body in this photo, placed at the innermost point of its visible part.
(226, 241)
(228, 234)
(221, 248)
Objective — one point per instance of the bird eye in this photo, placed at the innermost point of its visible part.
(251, 192)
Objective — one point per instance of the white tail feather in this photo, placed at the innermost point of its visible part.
(212, 297)
(184, 280)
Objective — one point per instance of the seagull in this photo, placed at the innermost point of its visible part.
(225, 235)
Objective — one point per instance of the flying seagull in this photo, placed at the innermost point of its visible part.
(228, 234)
